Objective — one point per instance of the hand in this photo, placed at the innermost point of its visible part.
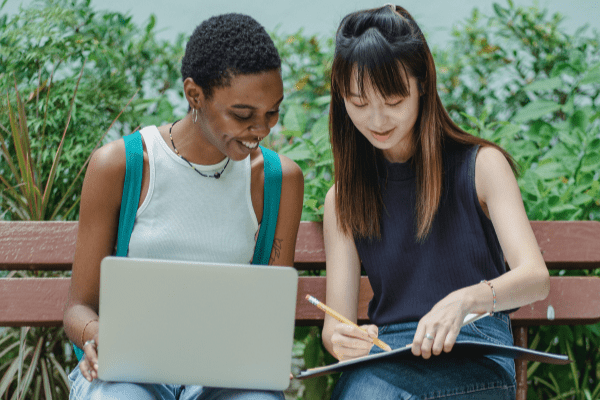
(350, 342)
(439, 328)
(89, 365)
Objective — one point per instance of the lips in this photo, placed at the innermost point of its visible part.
(250, 145)
(382, 136)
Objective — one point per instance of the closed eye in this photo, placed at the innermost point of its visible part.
(395, 103)
(241, 117)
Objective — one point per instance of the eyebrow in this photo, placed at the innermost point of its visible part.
(249, 107)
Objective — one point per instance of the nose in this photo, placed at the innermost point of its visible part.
(377, 120)
(260, 127)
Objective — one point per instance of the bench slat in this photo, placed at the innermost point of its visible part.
(40, 302)
(35, 245)
(33, 301)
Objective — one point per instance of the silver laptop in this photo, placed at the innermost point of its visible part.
(173, 322)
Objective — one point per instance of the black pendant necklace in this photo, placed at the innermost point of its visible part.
(216, 175)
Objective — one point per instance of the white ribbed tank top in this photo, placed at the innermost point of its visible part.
(186, 216)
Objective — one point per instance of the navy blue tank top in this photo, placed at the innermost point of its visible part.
(408, 278)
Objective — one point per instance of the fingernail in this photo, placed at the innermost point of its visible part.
(96, 366)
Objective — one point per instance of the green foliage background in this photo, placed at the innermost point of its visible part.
(514, 77)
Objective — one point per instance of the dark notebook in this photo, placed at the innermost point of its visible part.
(466, 348)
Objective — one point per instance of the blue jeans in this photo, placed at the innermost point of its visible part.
(82, 389)
(447, 376)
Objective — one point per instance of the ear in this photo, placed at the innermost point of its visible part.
(193, 93)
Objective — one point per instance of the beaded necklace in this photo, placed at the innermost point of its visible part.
(216, 175)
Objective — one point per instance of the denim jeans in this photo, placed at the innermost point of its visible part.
(447, 376)
(82, 389)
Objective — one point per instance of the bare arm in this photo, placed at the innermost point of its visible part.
(290, 212)
(526, 282)
(343, 285)
(96, 236)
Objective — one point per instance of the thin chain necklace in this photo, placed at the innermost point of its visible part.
(216, 175)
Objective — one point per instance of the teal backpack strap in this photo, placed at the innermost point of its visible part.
(134, 156)
(134, 165)
(272, 194)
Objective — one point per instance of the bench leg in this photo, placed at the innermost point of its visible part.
(520, 335)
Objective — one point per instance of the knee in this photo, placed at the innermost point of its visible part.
(120, 391)
(254, 395)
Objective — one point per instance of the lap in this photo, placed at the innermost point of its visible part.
(443, 377)
(81, 389)
(447, 376)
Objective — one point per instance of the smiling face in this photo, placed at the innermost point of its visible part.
(387, 123)
(238, 116)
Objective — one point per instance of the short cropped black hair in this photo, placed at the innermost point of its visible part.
(224, 46)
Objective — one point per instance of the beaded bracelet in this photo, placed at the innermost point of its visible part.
(86, 325)
(493, 294)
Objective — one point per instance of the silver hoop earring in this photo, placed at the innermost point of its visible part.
(195, 115)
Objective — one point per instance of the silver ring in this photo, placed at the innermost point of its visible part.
(91, 341)
(428, 336)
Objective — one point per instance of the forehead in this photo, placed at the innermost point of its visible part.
(365, 84)
(263, 89)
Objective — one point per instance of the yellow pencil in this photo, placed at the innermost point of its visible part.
(345, 320)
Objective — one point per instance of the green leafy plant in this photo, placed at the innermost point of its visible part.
(24, 189)
(45, 46)
(304, 135)
(34, 364)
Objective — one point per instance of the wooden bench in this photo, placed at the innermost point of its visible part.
(49, 246)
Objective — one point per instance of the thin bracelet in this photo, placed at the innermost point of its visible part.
(86, 325)
(493, 294)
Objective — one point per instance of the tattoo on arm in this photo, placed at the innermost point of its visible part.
(276, 252)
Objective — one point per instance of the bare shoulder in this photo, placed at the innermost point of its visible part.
(490, 158)
(492, 172)
(291, 171)
(330, 198)
(108, 160)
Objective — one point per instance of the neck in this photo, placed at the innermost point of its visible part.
(192, 144)
(400, 153)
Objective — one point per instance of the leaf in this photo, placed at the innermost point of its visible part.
(508, 131)
(289, 133)
(321, 127)
(580, 119)
(591, 162)
(295, 118)
(501, 12)
(545, 85)
(46, 381)
(551, 170)
(33, 365)
(592, 76)
(315, 388)
(312, 351)
(535, 110)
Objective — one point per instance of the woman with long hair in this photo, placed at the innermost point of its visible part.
(430, 212)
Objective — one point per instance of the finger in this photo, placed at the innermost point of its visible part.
(372, 330)
(350, 342)
(427, 345)
(345, 353)
(354, 331)
(91, 356)
(418, 339)
(450, 340)
(438, 343)
(85, 369)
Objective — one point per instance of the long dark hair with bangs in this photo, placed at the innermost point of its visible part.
(376, 46)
